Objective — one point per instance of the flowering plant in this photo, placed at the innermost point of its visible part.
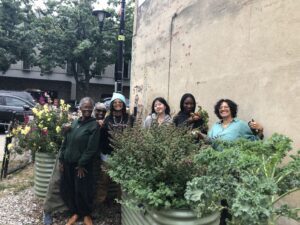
(43, 133)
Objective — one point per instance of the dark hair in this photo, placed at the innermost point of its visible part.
(232, 106)
(163, 101)
(111, 107)
(183, 98)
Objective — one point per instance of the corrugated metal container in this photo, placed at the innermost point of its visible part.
(166, 217)
(43, 167)
(182, 217)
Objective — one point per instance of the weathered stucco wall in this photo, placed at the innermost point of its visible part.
(245, 50)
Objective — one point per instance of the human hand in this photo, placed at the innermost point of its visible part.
(256, 126)
(195, 117)
(100, 122)
(81, 171)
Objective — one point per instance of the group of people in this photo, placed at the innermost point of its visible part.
(79, 176)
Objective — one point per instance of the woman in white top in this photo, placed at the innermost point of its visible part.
(160, 113)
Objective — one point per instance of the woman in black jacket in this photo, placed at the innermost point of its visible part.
(187, 116)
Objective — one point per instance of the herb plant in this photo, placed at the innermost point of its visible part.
(153, 165)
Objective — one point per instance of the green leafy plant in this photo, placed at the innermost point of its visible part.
(251, 177)
(153, 165)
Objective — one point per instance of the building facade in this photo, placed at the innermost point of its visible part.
(245, 50)
(20, 77)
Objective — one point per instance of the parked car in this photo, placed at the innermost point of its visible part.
(22, 94)
(10, 105)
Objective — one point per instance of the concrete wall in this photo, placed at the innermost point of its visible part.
(245, 50)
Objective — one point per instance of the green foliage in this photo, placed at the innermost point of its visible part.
(153, 165)
(69, 33)
(17, 40)
(250, 176)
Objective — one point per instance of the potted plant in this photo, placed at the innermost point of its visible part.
(153, 166)
(43, 137)
(251, 176)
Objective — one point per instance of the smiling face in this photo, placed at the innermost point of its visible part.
(188, 105)
(99, 113)
(224, 110)
(118, 105)
(86, 109)
(159, 107)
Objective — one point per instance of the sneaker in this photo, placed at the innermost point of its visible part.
(47, 218)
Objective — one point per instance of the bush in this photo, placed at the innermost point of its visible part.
(43, 133)
(153, 165)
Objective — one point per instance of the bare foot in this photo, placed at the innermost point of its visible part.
(72, 220)
(87, 220)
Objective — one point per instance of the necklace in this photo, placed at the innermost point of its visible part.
(115, 122)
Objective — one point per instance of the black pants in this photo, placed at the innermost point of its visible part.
(224, 213)
(76, 192)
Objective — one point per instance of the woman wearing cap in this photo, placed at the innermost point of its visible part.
(116, 121)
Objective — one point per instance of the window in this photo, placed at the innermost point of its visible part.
(11, 101)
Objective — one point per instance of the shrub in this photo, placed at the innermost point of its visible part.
(153, 165)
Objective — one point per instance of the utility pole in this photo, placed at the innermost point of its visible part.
(120, 56)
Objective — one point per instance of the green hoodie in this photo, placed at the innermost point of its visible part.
(81, 142)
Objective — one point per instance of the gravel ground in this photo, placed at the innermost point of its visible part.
(19, 206)
(25, 209)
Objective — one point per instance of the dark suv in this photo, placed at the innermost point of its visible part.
(10, 103)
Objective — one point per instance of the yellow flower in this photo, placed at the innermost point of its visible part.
(34, 110)
(58, 129)
(40, 125)
(46, 109)
(39, 114)
(25, 130)
(62, 102)
(10, 146)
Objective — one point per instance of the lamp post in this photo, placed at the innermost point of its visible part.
(102, 14)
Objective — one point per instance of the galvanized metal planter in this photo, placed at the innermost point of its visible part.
(166, 217)
(43, 167)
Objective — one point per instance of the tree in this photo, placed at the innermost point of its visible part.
(69, 33)
(17, 40)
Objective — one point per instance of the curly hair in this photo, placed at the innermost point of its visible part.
(232, 106)
(163, 101)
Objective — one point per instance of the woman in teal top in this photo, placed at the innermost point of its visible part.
(230, 128)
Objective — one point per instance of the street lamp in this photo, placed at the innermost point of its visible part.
(102, 14)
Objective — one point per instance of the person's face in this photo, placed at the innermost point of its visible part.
(188, 105)
(118, 105)
(86, 109)
(55, 102)
(224, 110)
(99, 113)
(159, 107)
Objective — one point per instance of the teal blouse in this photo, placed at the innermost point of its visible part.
(235, 130)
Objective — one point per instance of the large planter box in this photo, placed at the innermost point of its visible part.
(166, 217)
(43, 168)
